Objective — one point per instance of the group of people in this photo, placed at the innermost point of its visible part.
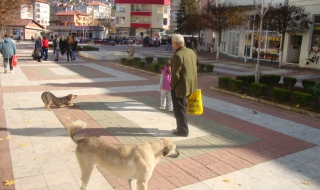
(7, 49)
(178, 81)
(68, 46)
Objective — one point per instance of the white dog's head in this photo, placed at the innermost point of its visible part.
(170, 149)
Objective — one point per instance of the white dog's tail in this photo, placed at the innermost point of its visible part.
(78, 124)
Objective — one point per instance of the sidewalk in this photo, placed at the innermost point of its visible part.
(236, 144)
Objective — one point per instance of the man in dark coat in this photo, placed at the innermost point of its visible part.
(38, 47)
(183, 81)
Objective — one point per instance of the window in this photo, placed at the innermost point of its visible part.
(145, 19)
(16, 32)
(160, 9)
(166, 10)
(120, 8)
(137, 7)
(137, 19)
(165, 21)
(159, 21)
(315, 44)
(120, 20)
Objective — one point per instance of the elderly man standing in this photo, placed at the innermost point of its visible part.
(183, 82)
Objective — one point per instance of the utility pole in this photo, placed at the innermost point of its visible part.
(262, 12)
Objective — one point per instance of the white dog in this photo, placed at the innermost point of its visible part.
(134, 162)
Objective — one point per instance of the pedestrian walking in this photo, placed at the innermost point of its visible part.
(62, 45)
(69, 47)
(45, 47)
(32, 38)
(169, 47)
(7, 49)
(38, 47)
(165, 89)
(183, 82)
(55, 44)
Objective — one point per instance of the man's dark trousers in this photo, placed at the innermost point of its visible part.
(180, 113)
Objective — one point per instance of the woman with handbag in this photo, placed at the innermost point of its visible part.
(38, 49)
(7, 49)
(62, 45)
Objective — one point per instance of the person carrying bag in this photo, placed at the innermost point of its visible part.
(7, 49)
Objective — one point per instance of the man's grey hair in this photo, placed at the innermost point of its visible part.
(178, 38)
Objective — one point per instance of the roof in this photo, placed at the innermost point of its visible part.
(42, 1)
(97, 3)
(70, 13)
(26, 22)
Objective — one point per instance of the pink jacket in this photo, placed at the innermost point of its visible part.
(165, 79)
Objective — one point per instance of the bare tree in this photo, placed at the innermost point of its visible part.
(221, 18)
(9, 10)
(284, 19)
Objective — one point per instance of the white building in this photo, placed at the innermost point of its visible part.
(39, 11)
(59, 7)
(302, 49)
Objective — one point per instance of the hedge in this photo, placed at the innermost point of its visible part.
(281, 94)
(270, 79)
(162, 60)
(154, 67)
(136, 59)
(202, 66)
(141, 64)
(258, 89)
(209, 67)
(235, 84)
(247, 79)
(123, 60)
(289, 81)
(300, 98)
(224, 81)
(148, 59)
(307, 84)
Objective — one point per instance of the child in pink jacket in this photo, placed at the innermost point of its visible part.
(165, 89)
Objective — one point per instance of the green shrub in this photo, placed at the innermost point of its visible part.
(202, 66)
(281, 94)
(162, 60)
(88, 48)
(289, 81)
(148, 60)
(307, 84)
(209, 67)
(247, 79)
(235, 84)
(123, 60)
(303, 99)
(258, 89)
(129, 62)
(224, 81)
(136, 59)
(141, 64)
(270, 79)
(161, 67)
(315, 90)
(154, 67)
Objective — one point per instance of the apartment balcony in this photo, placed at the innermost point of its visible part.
(141, 13)
(140, 25)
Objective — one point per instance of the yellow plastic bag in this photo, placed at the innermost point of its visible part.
(194, 103)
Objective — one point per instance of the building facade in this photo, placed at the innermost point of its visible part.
(138, 18)
(25, 28)
(38, 10)
(302, 49)
(75, 23)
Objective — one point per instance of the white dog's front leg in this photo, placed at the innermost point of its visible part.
(133, 184)
(143, 185)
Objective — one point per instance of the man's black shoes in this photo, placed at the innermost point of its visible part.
(176, 133)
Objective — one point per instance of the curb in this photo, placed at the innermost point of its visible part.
(159, 74)
(298, 110)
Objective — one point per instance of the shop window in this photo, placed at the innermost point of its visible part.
(315, 44)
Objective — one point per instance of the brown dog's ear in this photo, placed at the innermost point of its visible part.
(69, 97)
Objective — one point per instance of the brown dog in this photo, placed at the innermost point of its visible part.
(134, 162)
(48, 98)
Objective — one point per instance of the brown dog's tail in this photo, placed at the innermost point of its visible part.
(78, 124)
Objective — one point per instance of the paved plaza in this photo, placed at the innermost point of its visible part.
(237, 144)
